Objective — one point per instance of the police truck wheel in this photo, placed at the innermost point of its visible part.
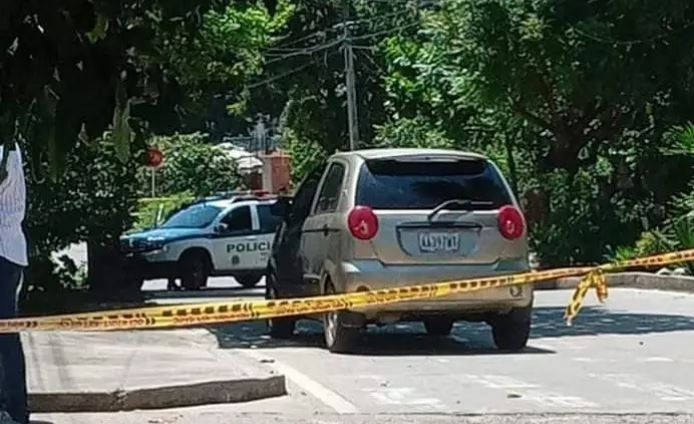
(194, 271)
(340, 332)
(511, 331)
(279, 328)
(248, 280)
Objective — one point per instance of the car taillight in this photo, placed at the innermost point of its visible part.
(363, 223)
(511, 222)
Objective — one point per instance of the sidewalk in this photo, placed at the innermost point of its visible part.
(116, 371)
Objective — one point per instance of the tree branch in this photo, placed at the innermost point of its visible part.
(522, 111)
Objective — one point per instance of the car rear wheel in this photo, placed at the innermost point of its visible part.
(195, 270)
(340, 336)
(439, 326)
(512, 330)
(279, 328)
(248, 280)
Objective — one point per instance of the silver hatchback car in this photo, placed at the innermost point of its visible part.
(376, 219)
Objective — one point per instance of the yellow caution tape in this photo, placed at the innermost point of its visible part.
(223, 312)
(596, 277)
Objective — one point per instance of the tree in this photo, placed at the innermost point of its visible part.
(92, 201)
(576, 96)
(192, 164)
(76, 65)
(71, 69)
(304, 79)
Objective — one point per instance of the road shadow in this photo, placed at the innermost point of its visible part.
(403, 339)
(466, 339)
(549, 323)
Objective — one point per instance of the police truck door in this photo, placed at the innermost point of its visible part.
(237, 244)
(266, 234)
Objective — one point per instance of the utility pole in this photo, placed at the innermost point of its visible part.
(352, 115)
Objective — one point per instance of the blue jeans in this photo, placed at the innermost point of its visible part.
(13, 390)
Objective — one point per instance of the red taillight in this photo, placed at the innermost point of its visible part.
(511, 222)
(363, 223)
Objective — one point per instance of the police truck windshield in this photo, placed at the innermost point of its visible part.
(198, 216)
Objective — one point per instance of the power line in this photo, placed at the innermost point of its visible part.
(336, 27)
(385, 32)
(284, 74)
(634, 41)
(307, 51)
(322, 32)
(378, 68)
(375, 18)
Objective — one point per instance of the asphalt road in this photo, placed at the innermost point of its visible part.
(621, 362)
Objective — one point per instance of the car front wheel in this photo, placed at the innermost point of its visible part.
(195, 270)
(282, 327)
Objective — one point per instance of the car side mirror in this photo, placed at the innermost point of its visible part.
(282, 207)
(221, 228)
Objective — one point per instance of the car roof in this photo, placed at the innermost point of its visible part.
(370, 154)
(228, 202)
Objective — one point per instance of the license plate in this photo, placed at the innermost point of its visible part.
(439, 242)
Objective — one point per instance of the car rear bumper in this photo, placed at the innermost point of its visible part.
(373, 275)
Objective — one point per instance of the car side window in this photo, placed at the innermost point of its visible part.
(238, 221)
(301, 206)
(330, 191)
(268, 221)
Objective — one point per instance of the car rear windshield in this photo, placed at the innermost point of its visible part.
(424, 183)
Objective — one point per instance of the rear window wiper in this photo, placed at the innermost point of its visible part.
(463, 204)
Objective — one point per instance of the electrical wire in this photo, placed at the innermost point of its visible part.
(307, 51)
(285, 74)
(635, 41)
(385, 32)
(378, 68)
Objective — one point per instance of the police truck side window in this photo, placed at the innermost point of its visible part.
(239, 220)
(330, 192)
(268, 221)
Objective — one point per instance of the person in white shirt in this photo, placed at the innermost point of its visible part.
(13, 260)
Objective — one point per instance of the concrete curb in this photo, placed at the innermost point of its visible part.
(633, 280)
(231, 391)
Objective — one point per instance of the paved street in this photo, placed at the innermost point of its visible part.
(631, 357)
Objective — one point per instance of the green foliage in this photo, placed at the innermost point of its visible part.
(73, 65)
(306, 154)
(415, 132)
(90, 201)
(554, 93)
(216, 63)
(191, 164)
(152, 211)
(93, 199)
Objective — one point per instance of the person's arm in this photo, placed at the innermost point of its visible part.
(3, 163)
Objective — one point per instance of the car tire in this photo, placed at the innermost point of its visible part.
(439, 326)
(512, 330)
(279, 328)
(339, 337)
(133, 284)
(248, 281)
(195, 269)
